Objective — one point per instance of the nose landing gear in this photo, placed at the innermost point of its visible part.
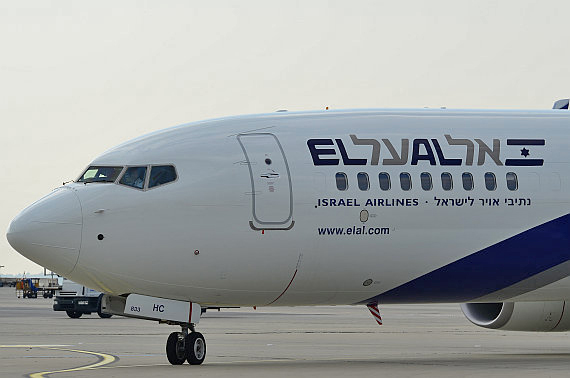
(184, 346)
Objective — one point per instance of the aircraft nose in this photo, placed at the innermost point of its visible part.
(48, 232)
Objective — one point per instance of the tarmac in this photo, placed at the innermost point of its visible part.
(415, 341)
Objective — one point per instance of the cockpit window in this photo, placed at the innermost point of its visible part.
(100, 174)
(134, 176)
(161, 174)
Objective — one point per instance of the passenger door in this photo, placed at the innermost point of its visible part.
(271, 188)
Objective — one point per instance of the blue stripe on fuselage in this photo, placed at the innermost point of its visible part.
(489, 270)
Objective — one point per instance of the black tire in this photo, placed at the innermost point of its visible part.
(175, 349)
(45, 295)
(195, 348)
(50, 295)
(101, 314)
(74, 314)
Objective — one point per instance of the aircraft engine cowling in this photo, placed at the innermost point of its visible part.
(520, 316)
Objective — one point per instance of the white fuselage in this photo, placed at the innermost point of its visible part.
(255, 216)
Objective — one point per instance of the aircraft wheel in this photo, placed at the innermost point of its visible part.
(195, 348)
(74, 314)
(175, 349)
(99, 312)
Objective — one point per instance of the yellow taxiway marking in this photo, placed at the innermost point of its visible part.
(104, 359)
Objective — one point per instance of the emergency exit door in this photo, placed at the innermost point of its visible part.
(271, 189)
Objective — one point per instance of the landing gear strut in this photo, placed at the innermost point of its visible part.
(184, 346)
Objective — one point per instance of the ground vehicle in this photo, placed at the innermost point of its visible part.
(29, 287)
(76, 300)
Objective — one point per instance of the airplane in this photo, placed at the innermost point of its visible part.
(333, 207)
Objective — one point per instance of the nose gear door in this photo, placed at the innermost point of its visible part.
(271, 188)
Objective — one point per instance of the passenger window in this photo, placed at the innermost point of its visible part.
(384, 179)
(134, 176)
(446, 181)
(490, 181)
(467, 179)
(405, 181)
(100, 174)
(363, 181)
(512, 181)
(341, 181)
(425, 179)
(161, 174)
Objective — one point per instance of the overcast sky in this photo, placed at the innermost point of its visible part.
(78, 77)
